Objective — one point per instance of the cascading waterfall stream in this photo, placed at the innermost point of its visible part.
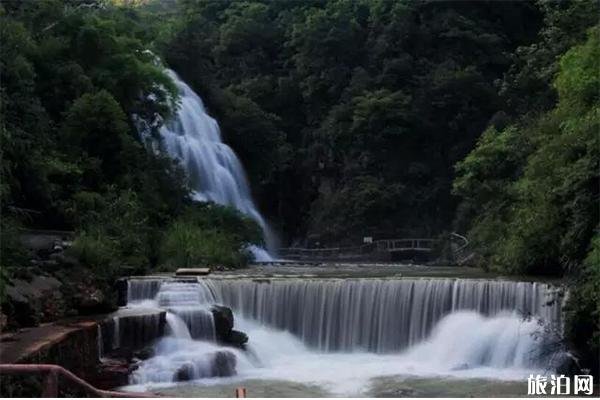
(364, 327)
(190, 306)
(380, 315)
(216, 174)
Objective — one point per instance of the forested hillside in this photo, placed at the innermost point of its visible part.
(73, 76)
(352, 118)
(350, 115)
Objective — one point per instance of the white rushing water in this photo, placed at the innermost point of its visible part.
(215, 173)
(379, 315)
(339, 334)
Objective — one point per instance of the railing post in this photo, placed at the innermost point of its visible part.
(50, 384)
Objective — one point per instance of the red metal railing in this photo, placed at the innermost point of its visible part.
(53, 372)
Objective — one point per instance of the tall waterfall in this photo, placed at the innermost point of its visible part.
(215, 173)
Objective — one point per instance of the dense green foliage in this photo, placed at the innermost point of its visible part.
(73, 75)
(367, 101)
(530, 189)
(583, 309)
(209, 236)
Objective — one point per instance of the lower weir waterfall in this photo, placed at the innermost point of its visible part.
(215, 173)
(333, 331)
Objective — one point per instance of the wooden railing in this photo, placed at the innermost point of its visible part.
(327, 252)
(52, 373)
(461, 250)
(406, 244)
(384, 245)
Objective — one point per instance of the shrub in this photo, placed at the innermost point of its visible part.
(187, 244)
(582, 311)
(96, 251)
(12, 251)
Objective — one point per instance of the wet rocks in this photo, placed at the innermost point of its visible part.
(237, 339)
(121, 289)
(184, 373)
(461, 367)
(220, 364)
(145, 353)
(223, 318)
(224, 364)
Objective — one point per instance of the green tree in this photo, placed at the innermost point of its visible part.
(582, 327)
(96, 124)
(209, 235)
(545, 203)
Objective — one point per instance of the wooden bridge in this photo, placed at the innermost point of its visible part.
(378, 250)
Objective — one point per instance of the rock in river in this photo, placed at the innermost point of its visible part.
(223, 318)
(218, 364)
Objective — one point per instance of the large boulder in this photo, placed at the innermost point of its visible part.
(223, 319)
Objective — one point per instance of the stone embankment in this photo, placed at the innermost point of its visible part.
(100, 349)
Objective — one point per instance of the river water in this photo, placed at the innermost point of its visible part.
(376, 336)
